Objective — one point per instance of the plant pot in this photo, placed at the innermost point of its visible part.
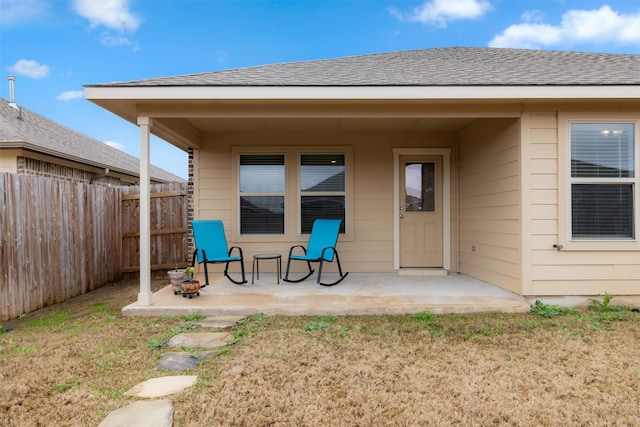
(176, 277)
(190, 288)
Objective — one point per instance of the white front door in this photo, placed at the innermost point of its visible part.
(421, 211)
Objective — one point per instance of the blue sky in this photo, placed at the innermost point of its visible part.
(54, 47)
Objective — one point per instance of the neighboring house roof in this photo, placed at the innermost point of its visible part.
(454, 66)
(24, 129)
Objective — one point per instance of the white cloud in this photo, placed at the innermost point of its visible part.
(30, 68)
(115, 145)
(114, 14)
(111, 41)
(602, 25)
(532, 16)
(16, 11)
(528, 36)
(69, 95)
(440, 12)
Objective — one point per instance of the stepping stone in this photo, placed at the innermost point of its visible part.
(181, 361)
(200, 340)
(220, 322)
(154, 413)
(163, 386)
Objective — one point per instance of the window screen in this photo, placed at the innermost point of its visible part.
(322, 189)
(602, 211)
(602, 180)
(262, 193)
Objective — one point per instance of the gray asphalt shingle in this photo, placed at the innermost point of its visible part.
(454, 66)
(24, 128)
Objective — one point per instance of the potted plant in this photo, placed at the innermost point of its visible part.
(190, 286)
(176, 277)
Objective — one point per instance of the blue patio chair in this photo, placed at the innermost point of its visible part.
(211, 248)
(321, 248)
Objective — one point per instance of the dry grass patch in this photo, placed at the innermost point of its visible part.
(70, 365)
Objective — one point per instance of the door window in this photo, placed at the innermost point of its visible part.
(420, 195)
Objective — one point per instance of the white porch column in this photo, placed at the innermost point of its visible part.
(144, 297)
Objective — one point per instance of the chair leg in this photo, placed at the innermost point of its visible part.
(226, 273)
(244, 280)
(206, 275)
(206, 272)
(320, 269)
(340, 279)
(286, 275)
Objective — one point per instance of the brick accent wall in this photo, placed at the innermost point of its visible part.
(27, 166)
(190, 206)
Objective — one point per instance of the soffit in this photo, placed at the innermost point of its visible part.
(183, 122)
(213, 125)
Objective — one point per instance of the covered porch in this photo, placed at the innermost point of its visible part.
(358, 294)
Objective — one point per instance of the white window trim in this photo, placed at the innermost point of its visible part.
(565, 238)
(300, 194)
(282, 193)
(292, 192)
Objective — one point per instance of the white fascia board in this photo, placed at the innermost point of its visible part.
(361, 92)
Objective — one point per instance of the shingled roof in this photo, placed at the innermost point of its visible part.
(22, 128)
(455, 66)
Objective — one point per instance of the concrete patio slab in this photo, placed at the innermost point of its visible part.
(359, 293)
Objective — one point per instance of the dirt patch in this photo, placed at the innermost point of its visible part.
(69, 365)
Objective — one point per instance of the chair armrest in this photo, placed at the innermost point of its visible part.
(325, 249)
(238, 248)
(304, 250)
(195, 256)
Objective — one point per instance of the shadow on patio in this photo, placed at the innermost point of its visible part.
(360, 293)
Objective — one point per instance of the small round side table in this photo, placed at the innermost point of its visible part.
(256, 264)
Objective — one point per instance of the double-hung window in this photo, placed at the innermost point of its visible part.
(322, 189)
(262, 193)
(603, 181)
(282, 190)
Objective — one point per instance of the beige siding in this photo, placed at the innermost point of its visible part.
(9, 161)
(506, 203)
(213, 184)
(489, 204)
(368, 246)
(577, 269)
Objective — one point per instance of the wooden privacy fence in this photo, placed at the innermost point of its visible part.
(59, 239)
(168, 228)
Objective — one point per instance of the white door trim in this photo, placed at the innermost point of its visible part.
(446, 200)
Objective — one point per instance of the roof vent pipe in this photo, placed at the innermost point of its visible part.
(12, 102)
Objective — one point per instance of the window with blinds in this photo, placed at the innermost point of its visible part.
(603, 180)
(262, 193)
(322, 189)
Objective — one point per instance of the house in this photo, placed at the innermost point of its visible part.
(516, 167)
(34, 145)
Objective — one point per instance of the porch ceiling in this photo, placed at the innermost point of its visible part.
(189, 131)
(184, 123)
(207, 125)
